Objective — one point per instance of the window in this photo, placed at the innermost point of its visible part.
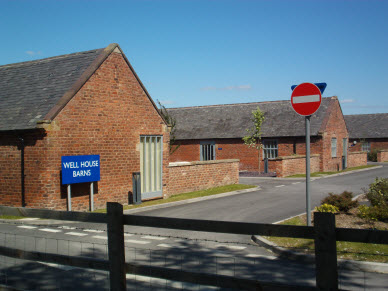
(208, 150)
(270, 149)
(151, 162)
(365, 146)
(333, 147)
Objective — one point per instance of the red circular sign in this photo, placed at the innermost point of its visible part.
(306, 99)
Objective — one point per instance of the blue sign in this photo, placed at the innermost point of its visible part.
(79, 169)
(321, 86)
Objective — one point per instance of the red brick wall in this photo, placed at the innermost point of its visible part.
(10, 166)
(335, 128)
(236, 149)
(375, 144)
(356, 159)
(10, 177)
(106, 117)
(291, 165)
(382, 156)
(197, 176)
(189, 150)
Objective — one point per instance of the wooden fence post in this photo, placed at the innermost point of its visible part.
(325, 251)
(116, 246)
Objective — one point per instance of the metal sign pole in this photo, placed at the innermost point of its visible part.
(69, 197)
(306, 98)
(91, 197)
(308, 204)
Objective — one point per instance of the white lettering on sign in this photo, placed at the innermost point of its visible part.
(81, 173)
(89, 164)
(85, 164)
(71, 165)
(305, 99)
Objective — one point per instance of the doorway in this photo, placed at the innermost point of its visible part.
(151, 163)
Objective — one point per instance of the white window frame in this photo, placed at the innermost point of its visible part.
(270, 149)
(365, 146)
(333, 147)
(207, 150)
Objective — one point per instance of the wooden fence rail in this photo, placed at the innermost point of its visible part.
(324, 234)
(152, 271)
(342, 234)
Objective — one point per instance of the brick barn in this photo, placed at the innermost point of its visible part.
(87, 103)
(368, 132)
(216, 132)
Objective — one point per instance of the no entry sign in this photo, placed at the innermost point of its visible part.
(306, 99)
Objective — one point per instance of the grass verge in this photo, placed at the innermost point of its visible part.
(345, 250)
(319, 174)
(190, 195)
(11, 217)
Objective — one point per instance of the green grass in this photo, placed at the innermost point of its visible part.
(190, 195)
(319, 174)
(345, 250)
(11, 217)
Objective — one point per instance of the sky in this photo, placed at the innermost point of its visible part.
(197, 52)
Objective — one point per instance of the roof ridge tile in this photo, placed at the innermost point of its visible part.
(19, 64)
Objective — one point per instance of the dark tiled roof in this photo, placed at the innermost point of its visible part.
(232, 120)
(367, 125)
(29, 90)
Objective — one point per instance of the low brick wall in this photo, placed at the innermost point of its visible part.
(356, 159)
(382, 156)
(193, 176)
(291, 165)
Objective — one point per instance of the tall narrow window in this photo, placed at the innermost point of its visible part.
(208, 150)
(270, 149)
(333, 147)
(151, 166)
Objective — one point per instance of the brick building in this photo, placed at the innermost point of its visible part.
(368, 132)
(87, 103)
(216, 132)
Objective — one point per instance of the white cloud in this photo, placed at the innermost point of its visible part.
(244, 87)
(227, 88)
(32, 53)
(348, 101)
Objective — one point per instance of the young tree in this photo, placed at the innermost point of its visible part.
(253, 139)
(171, 121)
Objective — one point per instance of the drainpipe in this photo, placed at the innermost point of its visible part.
(22, 171)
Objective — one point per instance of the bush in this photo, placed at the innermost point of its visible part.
(342, 201)
(327, 208)
(373, 213)
(364, 213)
(372, 156)
(378, 192)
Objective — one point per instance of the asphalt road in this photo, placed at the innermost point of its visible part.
(278, 199)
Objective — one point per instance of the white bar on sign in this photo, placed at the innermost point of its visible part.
(305, 99)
